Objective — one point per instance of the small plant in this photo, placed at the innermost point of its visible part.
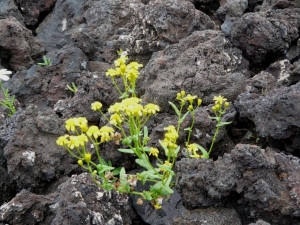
(127, 125)
(72, 88)
(46, 62)
(8, 101)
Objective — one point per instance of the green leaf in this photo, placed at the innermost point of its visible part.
(146, 149)
(164, 147)
(116, 171)
(102, 161)
(147, 195)
(223, 124)
(104, 168)
(188, 129)
(130, 151)
(182, 118)
(123, 179)
(164, 167)
(175, 108)
(142, 163)
(204, 152)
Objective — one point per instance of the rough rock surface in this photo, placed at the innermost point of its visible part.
(77, 201)
(207, 65)
(263, 182)
(32, 10)
(18, 46)
(211, 216)
(265, 36)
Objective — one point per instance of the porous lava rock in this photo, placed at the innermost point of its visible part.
(76, 201)
(262, 182)
(206, 65)
(18, 45)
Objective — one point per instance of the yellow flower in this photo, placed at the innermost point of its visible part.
(93, 131)
(121, 61)
(87, 157)
(82, 123)
(154, 152)
(219, 99)
(70, 124)
(62, 140)
(192, 147)
(151, 108)
(131, 74)
(82, 139)
(106, 132)
(157, 206)
(96, 106)
(115, 119)
(73, 142)
(116, 108)
(171, 133)
(129, 101)
(199, 102)
(226, 105)
(190, 108)
(180, 96)
(135, 65)
(134, 110)
(167, 163)
(111, 73)
(190, 98)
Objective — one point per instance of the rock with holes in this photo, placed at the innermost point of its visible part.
(279, 4)
(264, 184)
(32, 11)
(76, 201)
(267, 35)
(204, 64)
(18, 46)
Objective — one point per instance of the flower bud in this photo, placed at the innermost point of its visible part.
(226, 105)
(199, 102)
(87, 157)
(182, 93)
(80, 163)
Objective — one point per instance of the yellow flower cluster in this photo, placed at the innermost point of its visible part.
(129, 71)
(80, 127)
(192, 149)
(220, 106)
(154, 152)
(130, 107)
(170, 138)
(183, 98)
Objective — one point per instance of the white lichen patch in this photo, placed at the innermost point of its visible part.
(284, 76)
(99, 195)
(64, 24)
(30, 156)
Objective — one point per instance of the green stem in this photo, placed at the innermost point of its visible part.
(214, 139)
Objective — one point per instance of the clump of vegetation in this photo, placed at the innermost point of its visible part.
(8, 101)
(127, 124)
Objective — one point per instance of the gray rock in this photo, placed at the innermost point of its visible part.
(279, 4)
(265, 180)
(18, 44)
(32, 10)
(206, 65)
(77, 201)
(9, 8)
(275, 113)
(232, 8)
(211, 216)
(259, 222)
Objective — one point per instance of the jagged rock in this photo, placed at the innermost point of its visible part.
(260, 35)
(164, 23)
(279, 4)
(32, 10)
(211, 216)
(206, 65)
(77, 201)
(44, 86)
(259, 222)
(274, 112)
(262, 182)
(33, 159)
(18, 45)
(232, 8)
(8, 8)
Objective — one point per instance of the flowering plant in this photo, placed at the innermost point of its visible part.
(8, 101)
(127, 125)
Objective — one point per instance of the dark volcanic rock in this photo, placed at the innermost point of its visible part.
(32, 9)
(77, 201)
(264, 183)
(265, 36)
(274, 112)
(211, 216)
(33, 158)
(18, 45)
(203, 64)
(279, 4)
(8, 8)
(163, 23)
